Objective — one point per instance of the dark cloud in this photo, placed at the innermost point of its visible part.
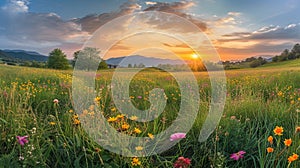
(177, 8)
(92, 22)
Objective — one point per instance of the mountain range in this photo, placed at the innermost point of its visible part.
(21, 56)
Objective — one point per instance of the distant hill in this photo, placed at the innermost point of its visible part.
(21, 56)
(138, 59)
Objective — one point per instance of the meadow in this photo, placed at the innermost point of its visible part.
(261, 118)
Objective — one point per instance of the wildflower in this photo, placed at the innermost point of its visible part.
(137, 131)
(22, 140)
(133, 118)
(238, 155)
(135, 161)
(97, 99)
(125, 126)
(97, 150)
(182, 162)
(233, 117)
(270, 150)
(177, 136)
(292, 158)
(76, 122)
(297, 129)
(75, 116)
(52, 123)
(278, 130)
(112, 119)
(139, 148)
(292, 102)
(120, 116)
(55, 101)
(270, 139)
(139, 97)
(151, 136)
(71, 111)
(288, 142)
(280, 93)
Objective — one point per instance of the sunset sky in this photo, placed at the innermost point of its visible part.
(236, 28)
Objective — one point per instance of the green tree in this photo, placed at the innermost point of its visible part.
(102, 65)
(57, 60)
(88, 58)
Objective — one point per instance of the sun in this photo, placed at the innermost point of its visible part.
(195, 56)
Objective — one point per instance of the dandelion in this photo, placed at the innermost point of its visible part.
(177, 136)
(120, 116)
(52, 123)
(137, 131)
(133, 118)
(270, 150)
(139, 148)
(278, 131)
(151, 136)
(182, 162)
(135, 161)
(112, 119)
(270, 139)
(238, 155)
(288, 142)
(125, 126)
(22, 140)
(293, 157)
(55, 101)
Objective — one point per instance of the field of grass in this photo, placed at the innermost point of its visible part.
(257, 101)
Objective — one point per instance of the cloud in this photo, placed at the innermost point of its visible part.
(229, 19)
(16, 6)
(179, 9)
(150, 3)
(92, 22)
(287, 33)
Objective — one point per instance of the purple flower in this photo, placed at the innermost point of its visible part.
(238, 155)
(139, 97)
(177, 136)
(22, 140)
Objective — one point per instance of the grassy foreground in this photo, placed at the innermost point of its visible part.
(257, 101)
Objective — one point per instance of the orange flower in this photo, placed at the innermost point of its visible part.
(297, 129)
(288, 142)
(125, 126)
(112, 119)
(270, 139)
(293, 158)
(278, 131)
(270, 150)
(137, 131)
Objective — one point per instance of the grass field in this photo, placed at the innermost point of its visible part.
(257, 101)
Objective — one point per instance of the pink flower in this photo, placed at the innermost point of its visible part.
(55, 101)
(182, 162)
(139, 97)
(238, 155)
(22, 140)
(177, 136)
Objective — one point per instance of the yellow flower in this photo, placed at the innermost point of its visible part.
(71, 111)
(125, 126)
(278, 131)
(113, 109)
(151, 136)
(139, 148)
(133, 118)
(137, 131)
(288, 142)
(76, 122)
(270, 139)
(120, 116)
(97, 99)
(298, 98)
(75, 116)
(52, 123)
(293, 158)
(292, 102)
(270, 150)
(280, 93)
(135, 161)
(112, 119)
